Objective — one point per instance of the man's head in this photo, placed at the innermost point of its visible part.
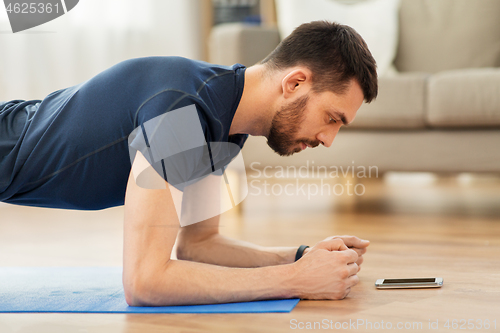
(327, 71)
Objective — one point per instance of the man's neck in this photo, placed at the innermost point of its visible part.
(254, 113)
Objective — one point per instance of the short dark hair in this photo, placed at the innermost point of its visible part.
(334, 53)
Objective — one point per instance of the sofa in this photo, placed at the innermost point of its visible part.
(437, 111)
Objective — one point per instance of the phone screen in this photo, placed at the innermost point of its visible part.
(421, 280)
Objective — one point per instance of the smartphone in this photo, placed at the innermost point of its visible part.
(409, 283)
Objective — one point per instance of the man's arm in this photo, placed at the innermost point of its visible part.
(150, 277)
(202, 242)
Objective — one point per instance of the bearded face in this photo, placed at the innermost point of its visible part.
(285, 126)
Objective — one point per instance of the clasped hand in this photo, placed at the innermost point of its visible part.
(329, 269)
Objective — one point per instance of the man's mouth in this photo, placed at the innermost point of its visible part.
(304, 146)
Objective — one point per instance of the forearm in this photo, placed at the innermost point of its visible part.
(184, 282)
(224, 251)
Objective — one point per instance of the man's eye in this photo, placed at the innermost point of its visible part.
(332, 120)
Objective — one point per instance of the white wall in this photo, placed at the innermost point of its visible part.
(93, 36)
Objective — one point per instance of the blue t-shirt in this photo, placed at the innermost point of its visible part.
(70, 150)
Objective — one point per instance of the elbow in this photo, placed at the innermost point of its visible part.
(182, 253)
(148, 289)
(134, 291)
(130, 297)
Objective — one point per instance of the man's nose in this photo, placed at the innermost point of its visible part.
(327, 136)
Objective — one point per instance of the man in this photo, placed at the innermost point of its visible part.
(70, 151)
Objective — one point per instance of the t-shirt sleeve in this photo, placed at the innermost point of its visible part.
(171, 132)
(175, 136)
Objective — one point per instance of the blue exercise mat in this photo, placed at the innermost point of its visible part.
(96, 290)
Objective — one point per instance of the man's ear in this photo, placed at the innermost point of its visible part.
(299, 79)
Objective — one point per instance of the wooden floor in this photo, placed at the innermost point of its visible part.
(421, 227)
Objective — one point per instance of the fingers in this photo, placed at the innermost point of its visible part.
(360, 252)
(350, 282)
(353, 269)
(347, 292)
(333, 244)
(355, 242)
(351, 256)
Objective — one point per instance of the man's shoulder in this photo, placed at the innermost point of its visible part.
(179, 63)
(174, 72)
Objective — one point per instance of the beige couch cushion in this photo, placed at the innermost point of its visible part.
(429, 150)
(400, 103)
(438, 35)
(464, 98)
(241, 43)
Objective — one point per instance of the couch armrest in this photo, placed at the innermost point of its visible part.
(232, 43)
(464, 98)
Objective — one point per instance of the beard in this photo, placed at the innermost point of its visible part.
(285, 126)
